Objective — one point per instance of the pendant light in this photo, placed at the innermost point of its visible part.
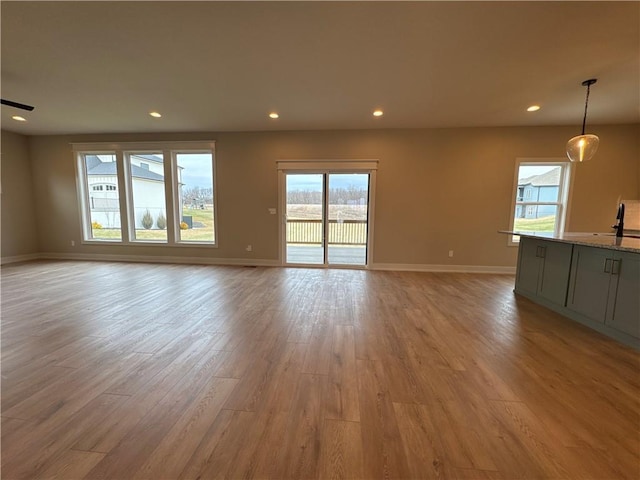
(583, 147)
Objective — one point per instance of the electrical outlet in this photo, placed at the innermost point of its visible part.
(249, 248)
(450, 253)
(73, 243)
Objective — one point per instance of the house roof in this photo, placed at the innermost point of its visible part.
(109, 168)
(320, 65)
(552, 177)
(151, 158)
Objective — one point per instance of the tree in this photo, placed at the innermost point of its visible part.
(196, 196)
(147, 220)
(339, 196)
(161, 221)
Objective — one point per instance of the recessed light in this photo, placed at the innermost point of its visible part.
(378, 113)
(274, 115)
(155, 114)
(18, 118)
(533, 108)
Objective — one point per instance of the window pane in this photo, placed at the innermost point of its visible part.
(537, 219)
(538, 183)
(348, 205)
(147, 187)
(195, 184)
(103, 198)
(305, 218)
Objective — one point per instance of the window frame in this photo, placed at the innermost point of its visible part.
(122, 153)
(177, 213)
(84, 198)
(131, 206)
(564, 189)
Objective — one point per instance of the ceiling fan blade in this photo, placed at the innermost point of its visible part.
(16, 104)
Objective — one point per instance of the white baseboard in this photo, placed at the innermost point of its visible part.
(248, 262)
(19, 258)
(243, 262)
(411, 267)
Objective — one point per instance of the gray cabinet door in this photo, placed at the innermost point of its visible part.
(554, 277)
(623, 312)
(589, 287)
(528, 266)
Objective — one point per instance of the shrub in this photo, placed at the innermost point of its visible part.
(183, 226)
(161, 221)
(96, 225)
(147, 220)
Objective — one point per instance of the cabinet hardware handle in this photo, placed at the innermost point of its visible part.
(543, 252)
(615, 269)
(607, 265)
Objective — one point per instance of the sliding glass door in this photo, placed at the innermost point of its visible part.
(326, 218)
(305, 228)
(347, 212)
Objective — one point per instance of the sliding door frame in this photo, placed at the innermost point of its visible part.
(325, 167)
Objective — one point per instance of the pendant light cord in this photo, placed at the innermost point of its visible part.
(586, 102)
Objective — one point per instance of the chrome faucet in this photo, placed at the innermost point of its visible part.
(619, 228)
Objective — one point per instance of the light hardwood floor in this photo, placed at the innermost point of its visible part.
(123, 371)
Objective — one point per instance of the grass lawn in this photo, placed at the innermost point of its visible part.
(542, 224)
(196, 234)
(199, 234)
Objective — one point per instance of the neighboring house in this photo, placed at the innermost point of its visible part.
(538, 188)
(147, 179)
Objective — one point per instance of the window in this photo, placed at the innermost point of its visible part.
(169, 193)
(147, 202)
(542, 209)
(194, 175)
(101, 208)
(100, 188)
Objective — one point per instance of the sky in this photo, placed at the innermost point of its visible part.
(313, 182)
(197, 172)
(197, 169)
(528, 171)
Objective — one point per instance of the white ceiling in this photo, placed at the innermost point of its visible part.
(223, 66)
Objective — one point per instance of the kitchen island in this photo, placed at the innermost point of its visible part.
(593, 279)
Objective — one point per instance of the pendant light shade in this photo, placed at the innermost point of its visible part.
(583, 147)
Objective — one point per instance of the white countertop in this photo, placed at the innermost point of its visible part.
(601, 240)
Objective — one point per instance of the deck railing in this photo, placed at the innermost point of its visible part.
(341, 232)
